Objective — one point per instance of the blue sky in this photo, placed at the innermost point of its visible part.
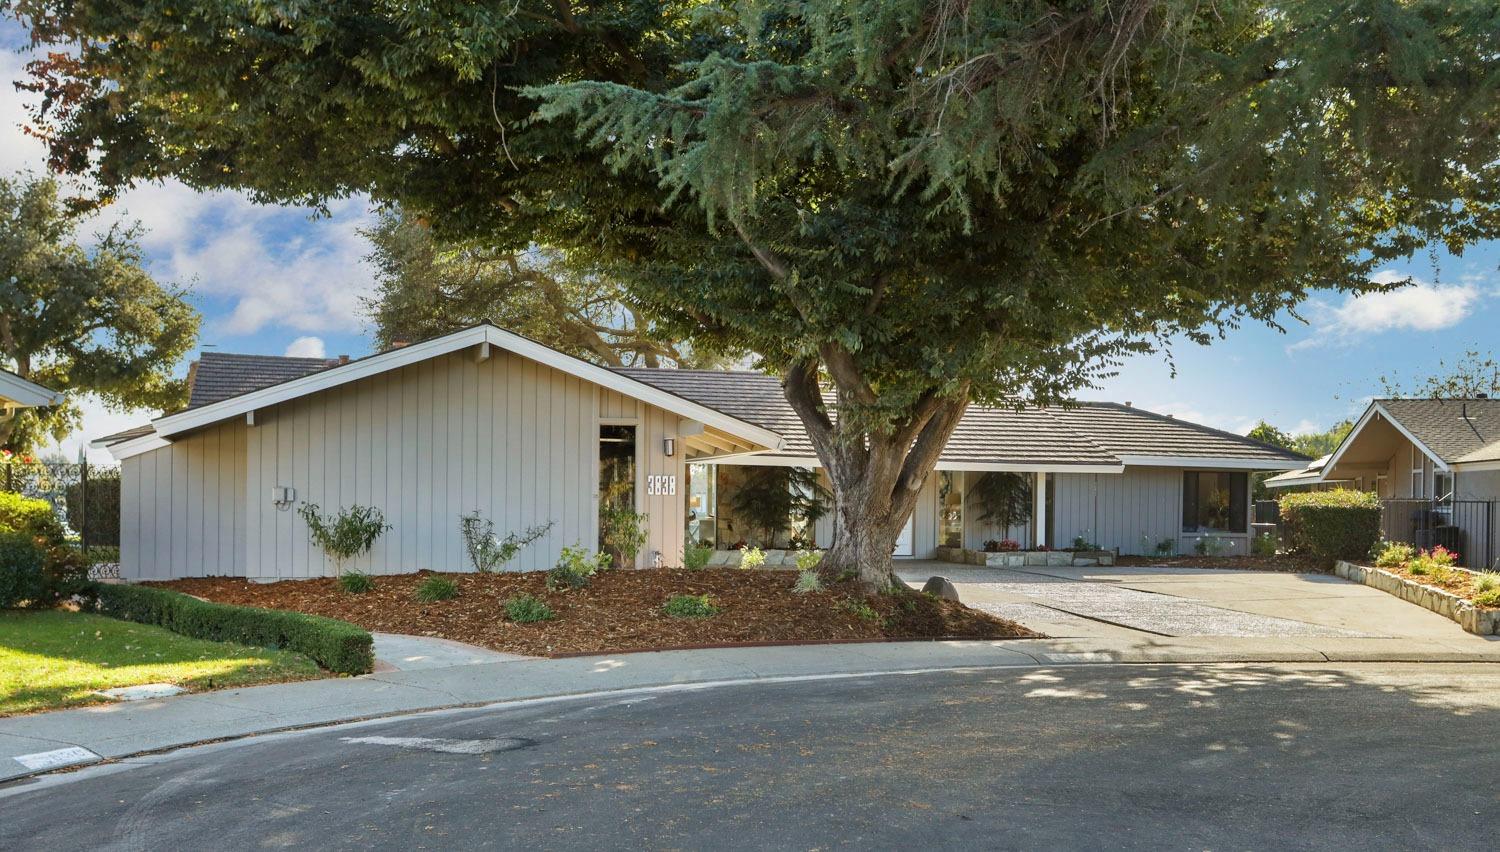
(277, 280)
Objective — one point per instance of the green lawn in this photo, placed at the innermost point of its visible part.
(56, 659)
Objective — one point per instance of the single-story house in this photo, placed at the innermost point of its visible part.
(1435, 464)
(483, 419)
(17, 393)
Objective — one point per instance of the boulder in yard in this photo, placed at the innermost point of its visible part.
(940, 587)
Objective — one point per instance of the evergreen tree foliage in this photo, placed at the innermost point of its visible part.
(901, 206)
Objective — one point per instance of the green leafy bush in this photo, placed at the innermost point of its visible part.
(696, 556)
(528, 609)
(1263, 545)
(623, 533)
(575, 566)
(356, 582)
(489, 553)
(1394, 554)
(808, 559)
(1490, 598)
(434, 589)
(860, 608)
(21, 560)
(335, 645)
(30, 516)
(690, 606)
(1331, 525)
(346, 534)
(1436, 563)
(752, 557)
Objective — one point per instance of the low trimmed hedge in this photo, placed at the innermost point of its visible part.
(335, 645)
(1331, 525)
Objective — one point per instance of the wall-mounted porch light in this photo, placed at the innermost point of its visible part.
(668, 446)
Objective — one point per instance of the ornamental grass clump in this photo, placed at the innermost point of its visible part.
(528, 609)
(434, 589)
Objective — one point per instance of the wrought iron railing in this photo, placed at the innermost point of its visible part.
(85, 496)
(1466, 527)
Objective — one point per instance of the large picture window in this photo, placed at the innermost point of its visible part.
(1215, 501)
(616, 471)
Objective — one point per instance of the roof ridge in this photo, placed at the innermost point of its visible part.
(1203, 427)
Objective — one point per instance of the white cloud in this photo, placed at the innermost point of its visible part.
(306, 347)
(1419, 306)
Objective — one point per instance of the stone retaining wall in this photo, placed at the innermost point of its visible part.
(1024, 558)
(1485, 622)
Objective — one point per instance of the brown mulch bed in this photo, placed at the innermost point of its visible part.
(1281, 563)
(619, 610)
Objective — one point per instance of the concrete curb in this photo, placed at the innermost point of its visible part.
(45, 742)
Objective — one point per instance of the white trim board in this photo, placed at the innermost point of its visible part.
(25, 393)
(1212, 462)
(197, 418)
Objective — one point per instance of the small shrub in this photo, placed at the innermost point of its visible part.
(1001, 545)
(65, 573)
(1210, 546)
(21, 561)
(690, 606)
(346, 534)
(1436, 563)
(487, 552)
(808, 559)
(1263, 545)
(623, 533)
(752, 557)
(528, 609)
(575, 566)
(1490, 598)
(808, 581)
(31, 516)
(1081, 543)
(696, 556)
(1394, 554)
(335, 645)
(1331, 525)
(434, 589)
(860, 608)
(1161, 547)
(356, 582)
(1486, 581)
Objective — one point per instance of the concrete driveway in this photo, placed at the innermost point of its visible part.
(1144, 602)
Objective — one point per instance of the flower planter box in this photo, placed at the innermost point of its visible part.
(1485, 622)
(1027, 558)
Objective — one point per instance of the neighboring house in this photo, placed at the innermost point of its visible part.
(485, 419)
(17, 393)
(1434, 462)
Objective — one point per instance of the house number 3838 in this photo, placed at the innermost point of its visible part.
(661, 485)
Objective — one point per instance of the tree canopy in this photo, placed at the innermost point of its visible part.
(427, 288)
(1473, 374)
(912, 204)
(81, 319)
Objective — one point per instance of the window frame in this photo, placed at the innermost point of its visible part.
(1238, 483)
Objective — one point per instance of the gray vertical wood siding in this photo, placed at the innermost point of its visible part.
(425, 444)
(182, 508)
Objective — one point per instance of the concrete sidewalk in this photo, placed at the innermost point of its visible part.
(45, 741)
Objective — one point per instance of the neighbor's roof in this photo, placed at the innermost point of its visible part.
(1455, 430)
(15, 390)
(1092, 433)
(218, 376)
(1306, 476)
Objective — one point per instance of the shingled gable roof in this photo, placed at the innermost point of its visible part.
(1088, 436)
(1457, 431)
(237, 377)
(220, 375)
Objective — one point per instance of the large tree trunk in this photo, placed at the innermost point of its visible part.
(875, 476)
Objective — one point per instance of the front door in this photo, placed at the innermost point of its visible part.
(904, 544)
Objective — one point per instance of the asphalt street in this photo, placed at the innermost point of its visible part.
(1108, 757)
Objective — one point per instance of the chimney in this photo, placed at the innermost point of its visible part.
(343, 359)
(1129, 404)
